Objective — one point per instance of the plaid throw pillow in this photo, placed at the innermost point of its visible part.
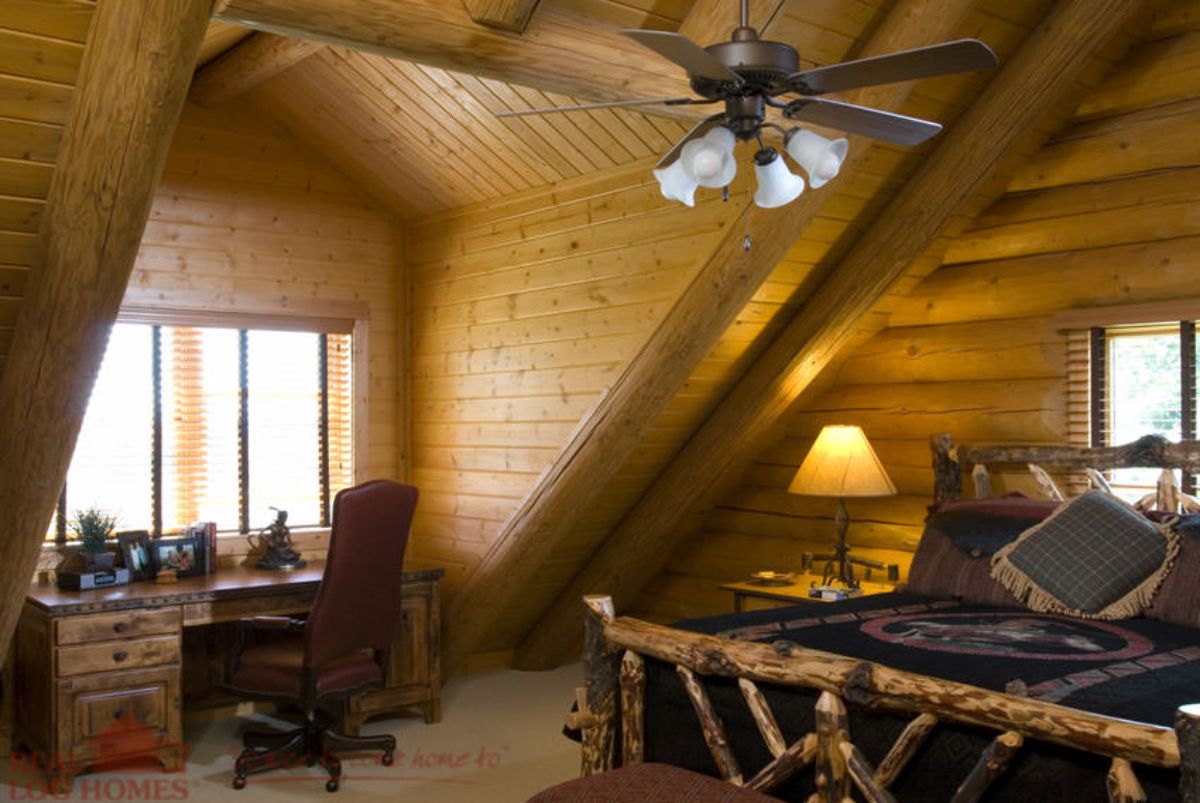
(1096, 557)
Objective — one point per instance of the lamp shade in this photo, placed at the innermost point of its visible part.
(777, 186)
(675, 184)
(820, 157)
(709, 160)
(842, 463)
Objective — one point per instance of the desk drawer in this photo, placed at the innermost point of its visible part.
(125, 624)
(116, 712)
(114, 655)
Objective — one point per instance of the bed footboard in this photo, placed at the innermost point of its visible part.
(614, 674)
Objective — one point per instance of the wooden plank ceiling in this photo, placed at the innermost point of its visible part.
(424, 140)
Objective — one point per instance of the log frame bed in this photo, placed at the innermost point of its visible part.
(615, 649)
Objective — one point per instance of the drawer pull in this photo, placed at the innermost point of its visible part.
(120, 655)
(120, 627)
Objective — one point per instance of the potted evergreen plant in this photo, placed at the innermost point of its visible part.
(93, 527)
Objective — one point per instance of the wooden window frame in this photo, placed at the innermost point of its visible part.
(321, 318)
(1096, 326)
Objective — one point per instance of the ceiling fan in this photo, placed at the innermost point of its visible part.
(749, 75)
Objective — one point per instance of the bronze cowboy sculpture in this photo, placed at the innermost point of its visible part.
(279, 553)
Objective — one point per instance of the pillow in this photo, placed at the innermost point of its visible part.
(1178, 598)
(1013, 504)
(982, 532)
(941, 569)
(1095, 557)
(952, 558)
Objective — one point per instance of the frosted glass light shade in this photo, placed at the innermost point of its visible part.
(777, 186)
(709, 159)
(842, 463)
(820, 157)
(675, 184)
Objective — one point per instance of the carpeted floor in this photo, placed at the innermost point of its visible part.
(499, 741)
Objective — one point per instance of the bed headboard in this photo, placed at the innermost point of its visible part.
(1149, 451)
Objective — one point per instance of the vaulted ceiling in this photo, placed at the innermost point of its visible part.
(424, 138)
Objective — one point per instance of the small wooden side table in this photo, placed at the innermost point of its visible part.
(792, 593)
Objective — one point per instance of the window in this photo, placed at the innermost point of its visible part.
(1142, 380)
(190, 423)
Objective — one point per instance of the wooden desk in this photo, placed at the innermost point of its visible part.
(98, 674)
(792, 593)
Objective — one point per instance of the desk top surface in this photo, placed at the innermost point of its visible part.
(241, 581)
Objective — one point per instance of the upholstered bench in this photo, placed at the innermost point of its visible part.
(649, 783)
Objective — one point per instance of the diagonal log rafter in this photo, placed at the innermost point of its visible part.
(559, 52)
(132, 82)
(502, 584)
(1038, 80)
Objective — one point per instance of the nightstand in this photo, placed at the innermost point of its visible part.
(790, 594)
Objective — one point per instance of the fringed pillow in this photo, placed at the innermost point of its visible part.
(1095, 557)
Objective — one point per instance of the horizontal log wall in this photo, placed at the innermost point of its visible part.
(1105, 214)
(526, 308)
(247, 219)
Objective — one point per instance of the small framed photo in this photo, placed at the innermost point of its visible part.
(135, 549)
(181, 555)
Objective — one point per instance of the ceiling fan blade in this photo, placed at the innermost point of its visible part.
(698, 130)
(961, 55)
(890, 127)
(684, 52)
(607, 105)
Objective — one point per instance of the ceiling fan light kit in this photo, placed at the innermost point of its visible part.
(820, 157)
(676, 184)
(777, 186)
(709, 160)
(747, 74)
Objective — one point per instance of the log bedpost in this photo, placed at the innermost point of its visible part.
(600, 674)
(633, 693)
(906, 746)
(947, 471)
(1187, 731)
(1123, 785)
(992, 764)
(833, 781)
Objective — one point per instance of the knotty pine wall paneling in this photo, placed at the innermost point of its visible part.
(248, 219)
(1106, 213)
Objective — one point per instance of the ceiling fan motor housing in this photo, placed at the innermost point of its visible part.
(761, 65)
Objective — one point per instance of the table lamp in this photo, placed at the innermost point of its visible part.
(842, 463)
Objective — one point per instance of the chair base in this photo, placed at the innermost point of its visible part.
(313, 743)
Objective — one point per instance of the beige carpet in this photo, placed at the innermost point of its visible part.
(499, 741)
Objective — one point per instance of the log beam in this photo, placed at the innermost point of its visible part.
(507, 15)
(132, 83)
(1039, 79)
(505, 579)
(560, 52)
(257, 58)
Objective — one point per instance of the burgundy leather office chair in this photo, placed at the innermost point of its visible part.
(342, 647)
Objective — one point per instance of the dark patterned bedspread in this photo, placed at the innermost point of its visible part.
(1137, 669)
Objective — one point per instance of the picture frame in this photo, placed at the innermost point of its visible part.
(135, 550)
(182, 553)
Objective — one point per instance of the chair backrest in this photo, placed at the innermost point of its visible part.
(358, 601)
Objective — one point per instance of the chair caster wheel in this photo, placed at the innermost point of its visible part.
(331, 786)
(239, 783)
(388, 758)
